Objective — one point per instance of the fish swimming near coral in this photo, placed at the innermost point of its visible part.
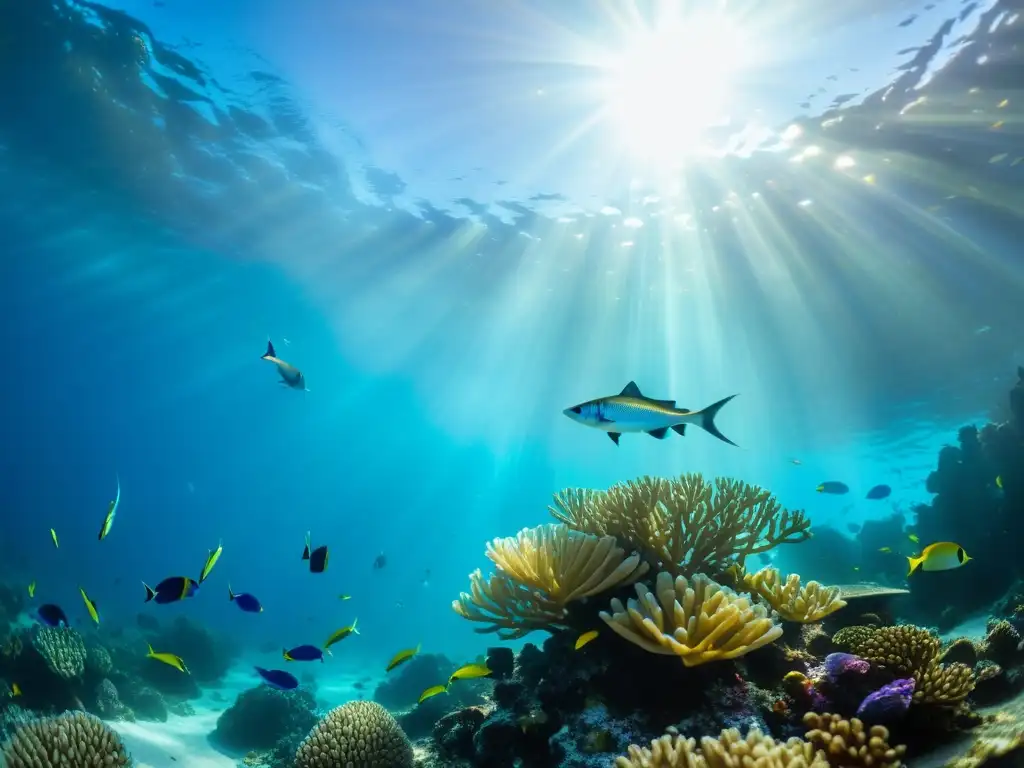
(318, 560)
(278, 678)
(167, 658)
(32, 589)
(171, 590)
(631, 411)
(290, 375)
(401, 657)
(833, 488)
(211, 560)
(341, 634)
(879, 492)
(940, 556)
(431, 692)
(304, 653)
(52, 615)
(470, 671)
(585, 638)
(245, 601)
(108, 521)
(90, 606)
(15, 690)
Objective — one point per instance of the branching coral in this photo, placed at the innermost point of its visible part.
(540, 572)
(62, 649)
(72, 739)
(684, 525)
(848, 744)
(360, 733)
(729, 750)
(697, 620)
(804, 604)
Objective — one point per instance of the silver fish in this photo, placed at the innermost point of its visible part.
(290, 375)
(630, 411)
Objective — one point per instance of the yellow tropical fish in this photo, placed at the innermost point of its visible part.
(401, 657)
(211, 560)
(344, 597)
(999, 482)
(914, 538)
(469, 671)
(885, 550)
(585, 638)
(341, 634)
(90, 606)
(108, 521)
(940, 556)
(15, 690)
(53, 535)
(431, 692)
(168, 658)
(32, 589)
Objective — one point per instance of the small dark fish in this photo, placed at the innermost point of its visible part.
(245, 601)
(833, 487)
(305, 549)
(278, 678)
(303, 653)
(318, 560)
(879, 492)
(52, 616)
(380, 561)
(171, 590)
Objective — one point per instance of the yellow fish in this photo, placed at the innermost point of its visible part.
(341, 634)
(999, 482)
(32, 589)
(108, 521)
(90, 606)
(431, 692)
(856, 567)
(940, 556)
(585, 638)
(344, 597)
(167, 658)
(401, 657)
(53, 535)
(469, 671)
(211, 560)
(15, 690)
(886, 550)
(914, 538)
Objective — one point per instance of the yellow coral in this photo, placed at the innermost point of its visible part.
(540, 571)
(684, 525)
(697, 620)
(729, 750)
(848, 744)
(940, 684)
(360, 733)
(804, 604)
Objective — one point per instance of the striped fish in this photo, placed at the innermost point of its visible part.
(630, 411)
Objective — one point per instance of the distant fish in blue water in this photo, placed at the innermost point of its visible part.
(304, 653)
(108, 521)
(290, 375)
(833, 487)
(171, 590)
(305, 549)
(278, 678)
(879, 492)
(52, 615)
(90, 606)
(631, 411)
(380, 561)
(245, 601)
(318, 560)
(211, 560)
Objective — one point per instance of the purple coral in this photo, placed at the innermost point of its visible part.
(888, 703)
(838, 664)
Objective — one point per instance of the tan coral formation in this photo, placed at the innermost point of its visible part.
(849, 744)
(729, 750)
(802, 603)
(71, 740)
(697, 620)
(361, 734)
(684, 525)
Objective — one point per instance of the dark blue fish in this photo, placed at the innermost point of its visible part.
(52, 616)
(278, 678)
(879, 492)
(171, 589)
(833, 487)
(318, 560)
(304, 653)
(245, 601)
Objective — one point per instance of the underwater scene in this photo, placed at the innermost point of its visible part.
(521, 384)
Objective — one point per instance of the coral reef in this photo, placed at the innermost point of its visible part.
(804, 604)
(62, 649)
(262, 717)
(729, 749)
(360, 733)
(850, 743)
(73, 739)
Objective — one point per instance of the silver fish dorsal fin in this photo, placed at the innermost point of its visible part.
(631, 390)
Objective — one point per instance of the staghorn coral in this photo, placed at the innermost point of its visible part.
(848, 744)
(684, 525)
(802, 604)
(697, 620)
(71, 740)
(540, 571)
(62, 649)
(729, 750)
(360, 734)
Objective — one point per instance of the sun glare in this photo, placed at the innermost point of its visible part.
(673, 82)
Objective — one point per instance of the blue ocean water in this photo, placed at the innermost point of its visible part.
(430, 212)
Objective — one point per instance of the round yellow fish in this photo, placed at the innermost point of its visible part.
(940, 556)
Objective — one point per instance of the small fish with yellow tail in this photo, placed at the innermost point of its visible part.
(211, 560)
(469, 671)
(585, 638)
(90, 606)
(401, 657)
(53, 535)
(940, 556)
(431, 692)
(32, 589)
(167, 658)
(914, 538)
(341, 634)
(108, 521)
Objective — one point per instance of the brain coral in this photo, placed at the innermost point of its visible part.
(62, 649)
(71, 740)
(360, 734)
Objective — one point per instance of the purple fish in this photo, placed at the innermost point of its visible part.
(888, 703)
(838, 664)
(278, 678)
(245, 601)
(304, 653)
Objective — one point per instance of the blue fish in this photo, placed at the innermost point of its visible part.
(278, 678)
(171, 589)
(304, 653)
(879, 492)
(52, 616)
(833, 487)
(318, 560)
(245, 601)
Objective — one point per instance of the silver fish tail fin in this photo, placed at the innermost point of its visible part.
(707, 419)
